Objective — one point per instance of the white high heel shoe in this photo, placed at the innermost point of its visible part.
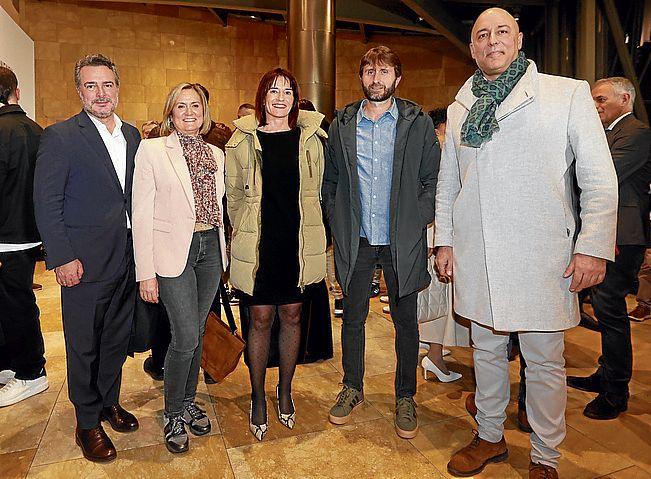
(258, 430)
(287, 420)
(429, 366)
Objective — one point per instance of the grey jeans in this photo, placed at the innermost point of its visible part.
(187, 299)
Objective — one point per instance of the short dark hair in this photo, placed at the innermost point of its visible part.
(381, 55)
(267, 81)
(248, 106)
(8, 84)
(95, 60)
(438, 116)
(204, 90)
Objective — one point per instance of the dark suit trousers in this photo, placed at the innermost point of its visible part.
(403, 314)
(97, 321)
(609, 303)
(22, 351)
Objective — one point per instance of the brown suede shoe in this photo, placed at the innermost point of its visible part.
(540, 471)
(119, 418)
(473, 458)
(95, 445)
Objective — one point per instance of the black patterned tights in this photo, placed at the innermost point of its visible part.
(289, 341)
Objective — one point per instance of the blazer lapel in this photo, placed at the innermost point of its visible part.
(132, 147)
(175, 155)
(92, 136)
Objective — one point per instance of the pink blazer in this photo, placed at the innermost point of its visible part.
(163, 207)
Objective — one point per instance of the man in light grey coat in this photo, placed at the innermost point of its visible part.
(506, 230)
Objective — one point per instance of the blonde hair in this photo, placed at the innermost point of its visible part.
(166, 126)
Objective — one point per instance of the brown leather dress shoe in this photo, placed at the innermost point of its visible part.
(95, 445)
(523, 421)
(471, 407)
(120, 419)
(475, 456)
(540, 471)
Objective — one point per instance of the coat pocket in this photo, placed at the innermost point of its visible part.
(162, 225)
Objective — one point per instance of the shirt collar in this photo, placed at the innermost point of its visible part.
(117, 131)
(612, 125)
(393, 110)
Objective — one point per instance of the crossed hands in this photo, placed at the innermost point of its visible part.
(586, 271)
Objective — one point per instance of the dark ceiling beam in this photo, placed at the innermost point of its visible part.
(437, 15)
(347, 11)
(363, 33)
(369, 13)
(507, 3)
(222, 17)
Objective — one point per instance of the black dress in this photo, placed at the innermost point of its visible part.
(276, 280)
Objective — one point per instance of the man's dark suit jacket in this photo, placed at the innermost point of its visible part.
(79, 204)
(630, 146)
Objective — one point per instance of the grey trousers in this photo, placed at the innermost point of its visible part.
(187, 299)
(546, 389)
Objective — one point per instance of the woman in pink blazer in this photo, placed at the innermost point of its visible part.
(179, 246)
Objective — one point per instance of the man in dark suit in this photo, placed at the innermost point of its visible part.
(630, 145)
(22, 351)
(82, 199)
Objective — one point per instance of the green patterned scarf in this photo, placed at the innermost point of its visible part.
(481, 123)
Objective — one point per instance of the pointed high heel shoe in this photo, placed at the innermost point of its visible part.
(258, 430)
(429, 366)
(287, 420)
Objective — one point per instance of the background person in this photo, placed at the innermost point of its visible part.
(22, 352)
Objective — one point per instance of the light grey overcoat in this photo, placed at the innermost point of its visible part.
(510, 208)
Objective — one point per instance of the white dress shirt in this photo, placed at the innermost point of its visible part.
(116, 144)
(612, 125)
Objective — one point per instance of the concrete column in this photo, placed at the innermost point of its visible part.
(311, 51)
(587, 41)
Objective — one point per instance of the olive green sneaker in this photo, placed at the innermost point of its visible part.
(406, 420)
(347, 399)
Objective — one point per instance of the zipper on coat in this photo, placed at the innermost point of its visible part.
(309, 162)
(301, 227)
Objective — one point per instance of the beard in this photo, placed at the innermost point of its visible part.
(379, 95)
(89, 107)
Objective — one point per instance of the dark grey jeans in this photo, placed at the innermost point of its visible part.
(187, 299)
(403, 314)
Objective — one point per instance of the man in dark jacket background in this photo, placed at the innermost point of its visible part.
(382, 161)
(22, 360)
(630, 146)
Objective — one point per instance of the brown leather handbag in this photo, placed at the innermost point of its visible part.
(222, 345)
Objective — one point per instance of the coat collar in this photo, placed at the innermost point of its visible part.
(309, 123)
(523, 93)
(11, 108)
(407, 110)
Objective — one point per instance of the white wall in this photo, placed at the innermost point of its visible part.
(17, 52)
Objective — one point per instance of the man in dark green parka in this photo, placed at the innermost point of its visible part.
(382, 161)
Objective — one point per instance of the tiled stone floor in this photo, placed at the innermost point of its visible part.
(36, 436)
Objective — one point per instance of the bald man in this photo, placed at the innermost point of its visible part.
(516, 142)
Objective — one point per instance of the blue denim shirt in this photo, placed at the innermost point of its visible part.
(375, 144)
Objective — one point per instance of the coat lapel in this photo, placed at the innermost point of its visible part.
(521, 95)
(92, 136)
(175, 155)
